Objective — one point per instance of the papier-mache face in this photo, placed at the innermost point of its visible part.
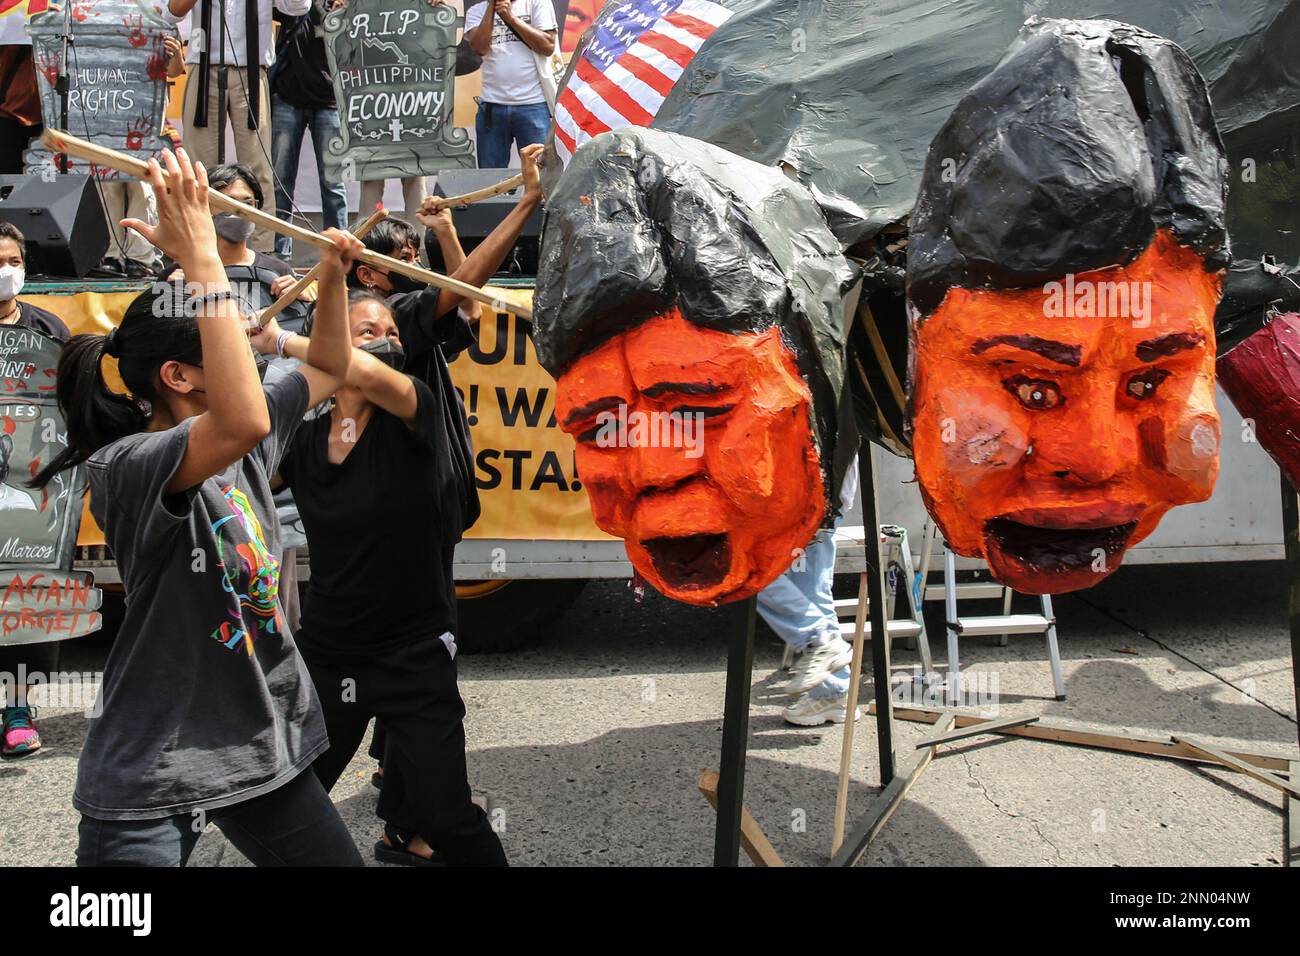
(1065, 262)
(697, 348)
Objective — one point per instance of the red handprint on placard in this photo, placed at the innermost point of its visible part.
(135, 135)
(136, 37)
(156, 67)
(48, 64)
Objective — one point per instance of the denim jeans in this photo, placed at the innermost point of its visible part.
(295, 824)
(499, 125)
(288, 124)
(800, 606)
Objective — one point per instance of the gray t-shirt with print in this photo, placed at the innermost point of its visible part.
(206, 701)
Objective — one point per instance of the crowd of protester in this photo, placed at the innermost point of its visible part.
(286, 96)
(213, 431)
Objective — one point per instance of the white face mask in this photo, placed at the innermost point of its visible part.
(11, 281)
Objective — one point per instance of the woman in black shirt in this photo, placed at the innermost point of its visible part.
(384, 481)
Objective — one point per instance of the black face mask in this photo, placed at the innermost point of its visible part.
(387, 351)
(403, 283)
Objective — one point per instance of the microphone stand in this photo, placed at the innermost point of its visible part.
(63, 82)
(223, 75)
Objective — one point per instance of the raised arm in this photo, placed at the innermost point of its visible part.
(236, 418)
(386, 387)
(483, 263)
(453, 254)
(328, 353)
(540, 41)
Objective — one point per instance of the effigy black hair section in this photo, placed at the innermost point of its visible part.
(1087, 137)
(643, 222)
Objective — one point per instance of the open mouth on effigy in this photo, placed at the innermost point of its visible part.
(692, 561)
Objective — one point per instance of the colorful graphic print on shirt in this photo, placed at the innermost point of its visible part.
(249, 571)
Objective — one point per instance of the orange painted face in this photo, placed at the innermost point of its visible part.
(696, 447)
(1054, 428)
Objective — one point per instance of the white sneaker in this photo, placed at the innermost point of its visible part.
(809, 711)
(817, 663)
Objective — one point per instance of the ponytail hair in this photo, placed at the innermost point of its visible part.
(159, 326)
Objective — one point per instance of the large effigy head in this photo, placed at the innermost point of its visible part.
(691, 305)
(1065, 259)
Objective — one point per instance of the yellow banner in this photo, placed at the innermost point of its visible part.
(526, 475)
(524, 462)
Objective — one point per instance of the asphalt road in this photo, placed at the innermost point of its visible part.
(587, 747)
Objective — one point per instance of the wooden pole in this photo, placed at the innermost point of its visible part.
(875, 566)
(846, 746)
(735, 731)
(887, 801)
(439, 203)
(752, 838)
(58, 141)
(295, 290)
(1291, 545)
(1062, 733)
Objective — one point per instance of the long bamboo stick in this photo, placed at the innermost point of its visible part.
(57, 141)
(295, 290)
(437, 203)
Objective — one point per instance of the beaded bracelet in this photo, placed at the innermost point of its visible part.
(212, 298)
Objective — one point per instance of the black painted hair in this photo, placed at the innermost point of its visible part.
(635, 229)
(219, 177)
(159, 326)
(1086, 138)
(389, 237)
(6, 449)
(645, 221)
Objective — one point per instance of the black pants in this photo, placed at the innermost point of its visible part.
(293, 825)
(426, 784)
(40, 659)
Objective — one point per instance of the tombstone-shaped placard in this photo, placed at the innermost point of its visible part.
(41, 598)
(117, 74)
(394, 77)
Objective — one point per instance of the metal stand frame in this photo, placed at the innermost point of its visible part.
(739, 627)
(740, 663)
(1279, 772)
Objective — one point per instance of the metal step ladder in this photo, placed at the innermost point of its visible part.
(1000, 625)
(897, 555)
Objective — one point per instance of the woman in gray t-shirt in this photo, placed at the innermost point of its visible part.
(207, 710)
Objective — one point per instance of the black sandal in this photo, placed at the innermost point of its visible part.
(398, 853)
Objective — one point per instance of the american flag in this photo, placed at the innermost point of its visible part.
(630, 65)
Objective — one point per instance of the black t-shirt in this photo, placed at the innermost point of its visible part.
(381, 527)
(431, 341)
(206, 701)
(301, 74)
(34, 317)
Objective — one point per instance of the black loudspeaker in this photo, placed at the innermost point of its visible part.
(477, 220)
(62, 220)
